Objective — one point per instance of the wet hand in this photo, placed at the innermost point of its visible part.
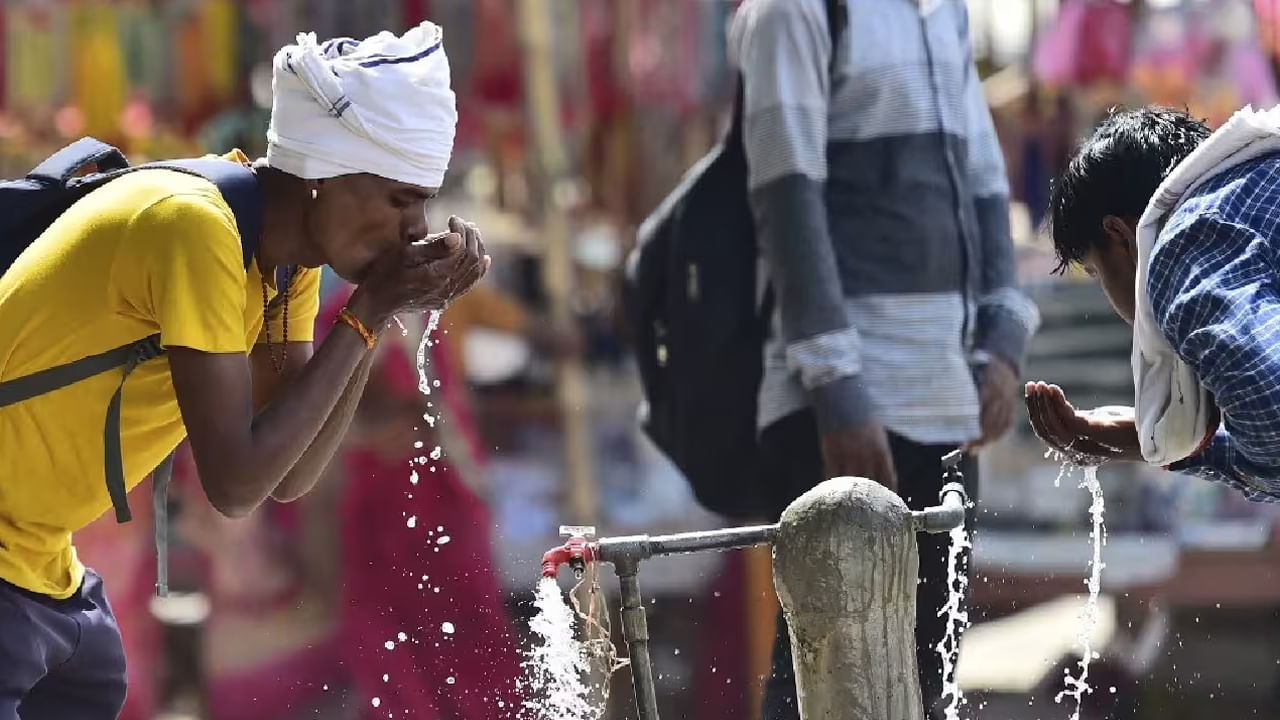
(1087, 436)
(424, 275)
(439, 277)
(860, 451)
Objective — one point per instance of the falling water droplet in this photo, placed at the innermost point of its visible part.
(432, 321)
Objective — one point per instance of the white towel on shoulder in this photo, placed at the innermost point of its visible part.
(1172, 408)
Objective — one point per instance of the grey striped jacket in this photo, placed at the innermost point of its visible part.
(881, 205)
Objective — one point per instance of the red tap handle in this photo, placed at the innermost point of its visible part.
(576, 549)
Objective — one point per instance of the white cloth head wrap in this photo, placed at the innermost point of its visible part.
(380, 105)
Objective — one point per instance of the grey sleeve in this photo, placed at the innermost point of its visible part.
(1006, 318)
(784, 52)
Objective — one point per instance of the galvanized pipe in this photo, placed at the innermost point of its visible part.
(635, 631)
(625, 554)
(643, 547)
(946, 516)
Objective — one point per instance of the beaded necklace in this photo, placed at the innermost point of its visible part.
(283, 290)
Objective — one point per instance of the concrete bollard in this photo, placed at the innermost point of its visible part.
(845, 565)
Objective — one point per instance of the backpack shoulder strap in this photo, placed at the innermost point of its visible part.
(160, 519)
(837, 19)
(38, 383)
(239, 187)
(128, 356)
(80, 155)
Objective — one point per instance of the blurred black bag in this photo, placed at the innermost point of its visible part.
(691, 301)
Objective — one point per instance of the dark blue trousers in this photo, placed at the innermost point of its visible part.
(60, 659)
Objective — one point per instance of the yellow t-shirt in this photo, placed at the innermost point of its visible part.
(152, 251)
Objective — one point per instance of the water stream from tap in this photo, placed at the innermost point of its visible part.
(957, 620)
(1077, 687)
(556, 667)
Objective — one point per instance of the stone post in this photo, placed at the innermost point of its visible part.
(845, 565)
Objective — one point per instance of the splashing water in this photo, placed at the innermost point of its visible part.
(1077, 687)
(433, 320)
(556, 668)
(957, 621)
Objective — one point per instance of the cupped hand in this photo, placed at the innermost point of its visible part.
(1089, 436)
(425, 275)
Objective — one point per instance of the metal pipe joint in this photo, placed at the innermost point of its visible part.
(948, 514)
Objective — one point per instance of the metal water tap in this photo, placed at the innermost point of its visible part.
(577, 551)
(953, 500)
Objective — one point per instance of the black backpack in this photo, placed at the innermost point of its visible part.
(690, 298)
(28, 206)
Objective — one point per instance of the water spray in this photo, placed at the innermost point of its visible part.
(627, 552)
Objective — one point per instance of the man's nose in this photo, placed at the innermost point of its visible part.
(416, 225)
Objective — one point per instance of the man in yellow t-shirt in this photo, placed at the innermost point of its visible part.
(157, 252)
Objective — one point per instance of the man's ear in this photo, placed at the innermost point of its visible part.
(1121, 235)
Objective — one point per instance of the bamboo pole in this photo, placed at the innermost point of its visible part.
(761, 616)
(551, 166)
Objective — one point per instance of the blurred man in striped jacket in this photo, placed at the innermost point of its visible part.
(881, 207)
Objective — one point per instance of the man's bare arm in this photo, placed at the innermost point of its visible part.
(267, 383)
(241, 457)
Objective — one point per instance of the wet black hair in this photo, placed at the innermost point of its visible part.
(1115, 172)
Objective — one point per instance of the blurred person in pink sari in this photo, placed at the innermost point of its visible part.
(424, 632)
(270, 645)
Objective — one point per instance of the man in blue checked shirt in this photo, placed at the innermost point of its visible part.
(1203, 231)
